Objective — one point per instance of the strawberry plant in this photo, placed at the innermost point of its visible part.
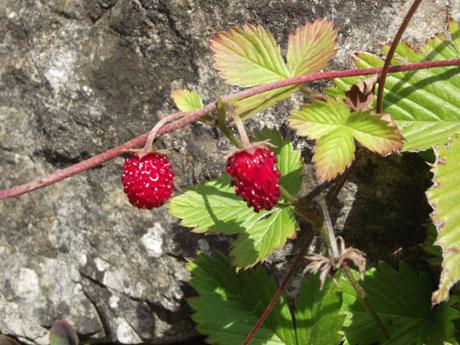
(407, 101)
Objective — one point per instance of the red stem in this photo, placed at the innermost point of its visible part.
(59, 175)
(297, 261)
(391, 52)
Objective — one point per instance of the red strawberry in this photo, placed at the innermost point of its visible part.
(148, 181)
(255, 177)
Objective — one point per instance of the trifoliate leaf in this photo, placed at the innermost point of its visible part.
(444, 197)
(215, 208)
(62, 333)
(311, 47)
(424, 103)
(403, 302)
(317, 313)
(335, 129)
(230, 303)
(248, 56)
(186, 100)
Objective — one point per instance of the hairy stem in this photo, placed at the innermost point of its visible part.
(327, 231)
(391, 52)
(295, 265)
(92, 162)
(363, 296)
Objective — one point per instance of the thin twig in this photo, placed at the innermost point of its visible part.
(92, 162)
(295, 265)
(394, 45)
(328, 233)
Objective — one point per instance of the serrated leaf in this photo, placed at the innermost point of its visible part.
(402, 299)
(229, 303)
(311, 47)
(215, 208)
(431, 248)
(186, 100)
(248, 56)
(247, 107)
(423, 103)
(317, 312)
(336, 128)
(62, 333)
(444, 197)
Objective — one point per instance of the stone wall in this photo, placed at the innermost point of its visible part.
(78, 77)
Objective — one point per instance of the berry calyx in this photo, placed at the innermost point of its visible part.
(148, 181)
(255, 177)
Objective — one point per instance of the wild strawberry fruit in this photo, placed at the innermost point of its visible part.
(255, 177)
(148, 181)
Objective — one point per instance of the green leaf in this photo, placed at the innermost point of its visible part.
(247, 107)
(403, 302)
(444, 197)
(311, 47)
(215, 208)
(62, 333)
(186, 100)
(229, 303)
(248, 56)
(336, 128)
(431, 248)
(424, 103)
(317, 317)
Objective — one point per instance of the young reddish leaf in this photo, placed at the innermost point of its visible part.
(336, 128)
(311, 47)
(186, 100)
(361, 95)
(444, 197)
(248, 56)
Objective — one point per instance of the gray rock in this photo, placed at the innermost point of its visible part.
(79, 77)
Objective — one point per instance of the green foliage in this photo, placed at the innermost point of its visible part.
(229, 304)
(423, 103)
(335, 129)
(431, 248)
(403, 301)
(213, 207)
(317, 312)
(311, 47)
(62, 333)
(249, 56)
(186, 100)
(444, 197)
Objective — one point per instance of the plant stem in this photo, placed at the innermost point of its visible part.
(305, 212)
(297, 261)
(394, 45)
(363, 296)
(327, 231)
(99, 159)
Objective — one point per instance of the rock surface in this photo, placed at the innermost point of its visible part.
(80, 76)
